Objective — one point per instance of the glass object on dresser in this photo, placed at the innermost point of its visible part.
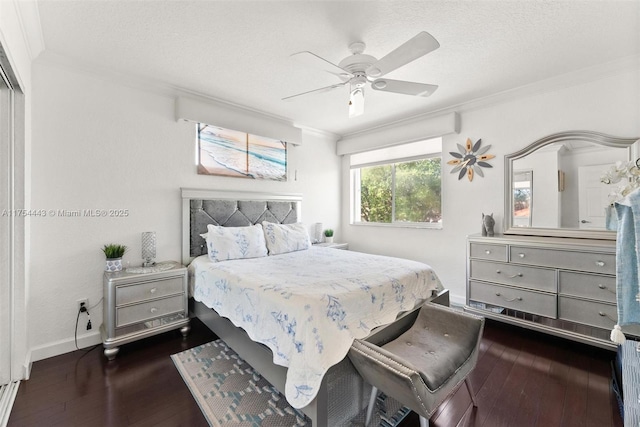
(558, 176)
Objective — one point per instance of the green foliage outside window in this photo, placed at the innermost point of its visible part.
(414, 187)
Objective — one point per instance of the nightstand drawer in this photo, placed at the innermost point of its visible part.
(489, 252)
(154, 289)
(587, 312)
(570, 260)
(149, 310)
(541, 279)
(601, 288)
(518, 299)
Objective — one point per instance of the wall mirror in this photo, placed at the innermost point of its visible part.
(553, 188)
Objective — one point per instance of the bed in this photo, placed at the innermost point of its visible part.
(295, 324)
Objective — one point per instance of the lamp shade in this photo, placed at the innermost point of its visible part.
(148, 246)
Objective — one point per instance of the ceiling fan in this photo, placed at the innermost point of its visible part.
(359, 69)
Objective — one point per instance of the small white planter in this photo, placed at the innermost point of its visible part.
(328, 239)
(113, 264)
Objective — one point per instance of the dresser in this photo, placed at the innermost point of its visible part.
(562, 286)
(138, 305)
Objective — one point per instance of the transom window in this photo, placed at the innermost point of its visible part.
(399, 185)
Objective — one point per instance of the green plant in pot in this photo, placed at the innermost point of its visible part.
(328, 235)
(113, 252)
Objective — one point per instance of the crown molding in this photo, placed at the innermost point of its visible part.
(570, 79)
(159, 87)
(29, 18)
(552, 84)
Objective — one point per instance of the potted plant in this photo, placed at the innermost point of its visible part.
(328, 235)
(113, 252)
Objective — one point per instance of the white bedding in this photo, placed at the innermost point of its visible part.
(308, 306)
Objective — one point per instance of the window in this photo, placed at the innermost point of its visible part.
(398, 185)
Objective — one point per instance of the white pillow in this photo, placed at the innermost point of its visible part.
(226, 243)
(283, 238)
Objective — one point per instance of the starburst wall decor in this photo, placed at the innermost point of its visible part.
(470, 160)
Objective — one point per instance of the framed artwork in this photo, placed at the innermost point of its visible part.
(232, 153)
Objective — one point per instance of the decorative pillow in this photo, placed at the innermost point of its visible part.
(283, 238)
(226, 243)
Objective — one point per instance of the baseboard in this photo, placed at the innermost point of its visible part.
(457, 300)
(64, 346)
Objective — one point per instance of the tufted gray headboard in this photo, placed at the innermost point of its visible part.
(230, 209)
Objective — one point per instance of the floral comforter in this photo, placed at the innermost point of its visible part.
(308, 306)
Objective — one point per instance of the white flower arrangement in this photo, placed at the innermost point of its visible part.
(628, 173)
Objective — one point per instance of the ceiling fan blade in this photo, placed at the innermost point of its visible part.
(356, 102)
(322, 89)
(314, 61)
(413, 49)
(407, 88)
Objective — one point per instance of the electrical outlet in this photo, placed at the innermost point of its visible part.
(84, 301)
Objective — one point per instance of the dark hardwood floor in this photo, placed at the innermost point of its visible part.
(522, 379)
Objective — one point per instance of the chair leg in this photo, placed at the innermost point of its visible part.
(424, 422)
(470, 390)
(372, 403)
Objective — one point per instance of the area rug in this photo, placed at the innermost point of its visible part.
(231, 393)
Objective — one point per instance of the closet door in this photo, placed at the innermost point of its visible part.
(7, 223)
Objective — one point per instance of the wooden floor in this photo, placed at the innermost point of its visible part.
(522, 379)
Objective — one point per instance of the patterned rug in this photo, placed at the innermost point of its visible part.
(231, 393)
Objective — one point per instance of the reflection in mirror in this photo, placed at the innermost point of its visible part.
(522, 198)
(565, 170)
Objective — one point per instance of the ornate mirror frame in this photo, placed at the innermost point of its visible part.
(586, 136)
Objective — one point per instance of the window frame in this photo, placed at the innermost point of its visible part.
(356, 195)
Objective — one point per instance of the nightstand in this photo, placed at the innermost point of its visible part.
(344, 246)
(138, 305)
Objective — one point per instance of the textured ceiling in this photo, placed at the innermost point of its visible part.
(239, 51)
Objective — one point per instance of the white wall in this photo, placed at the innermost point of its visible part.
(610, 105)
(102, 145)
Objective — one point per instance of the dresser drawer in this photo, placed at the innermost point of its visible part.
(518, 299)
(488, 251)
(590, 313)
(571, 260)
(149, 310)
(541, 279)
(154, 289)
(601, 288)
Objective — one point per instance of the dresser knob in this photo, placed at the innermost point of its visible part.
(153, 290)
(498, 294)
(498, 271)
(515, 275)
(488, 252)
(521, 255)
(600, 263)
(603, 314)
(601, 286)
(153, 310)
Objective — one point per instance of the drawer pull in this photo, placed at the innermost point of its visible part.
(498, 294)
(521, 255)
(515, 275)
(153, 310)
(153, 290)
(600, 263)
(603, 314)
(604, 287)
(488, 252)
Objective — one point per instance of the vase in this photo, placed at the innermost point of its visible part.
(113, 264)
(328, 239)
(611, 218)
